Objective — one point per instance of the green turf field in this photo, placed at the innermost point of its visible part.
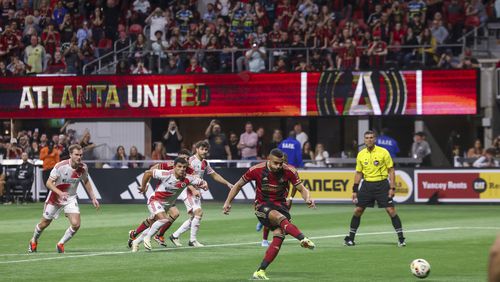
(454, 239)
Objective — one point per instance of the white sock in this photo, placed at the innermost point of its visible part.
(67, 235)
(195, 225)
(36, 234)
(155, 227)
(140, 238)
(186, 225)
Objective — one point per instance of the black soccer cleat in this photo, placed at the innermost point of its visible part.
(349, 242)
(401, 242)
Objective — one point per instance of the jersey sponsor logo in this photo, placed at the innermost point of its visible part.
(70, 180)
(376, 163)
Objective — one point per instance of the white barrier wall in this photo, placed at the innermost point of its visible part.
(125, 133)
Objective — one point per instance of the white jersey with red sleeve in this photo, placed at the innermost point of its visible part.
(171, 187)
(66, 179)
(200, 166)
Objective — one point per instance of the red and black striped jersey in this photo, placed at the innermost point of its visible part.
(272, 187)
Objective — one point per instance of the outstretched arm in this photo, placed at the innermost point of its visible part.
(217, 177)
(305, 195)
(230, 197)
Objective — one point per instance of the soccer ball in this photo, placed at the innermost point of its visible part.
(420, 268)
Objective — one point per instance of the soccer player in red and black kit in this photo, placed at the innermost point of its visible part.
(272, 180)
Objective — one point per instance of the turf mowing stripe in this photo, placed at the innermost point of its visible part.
(59, 256)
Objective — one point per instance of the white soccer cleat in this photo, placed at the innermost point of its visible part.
(307, 243)
(175, 241)
(195, 243)
(135, 247)
(147, 243)
(265, 243)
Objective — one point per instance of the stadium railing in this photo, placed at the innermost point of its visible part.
(421, 55)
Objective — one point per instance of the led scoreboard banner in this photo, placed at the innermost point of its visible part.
(425, 92)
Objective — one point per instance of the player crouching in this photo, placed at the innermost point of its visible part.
(161, 202)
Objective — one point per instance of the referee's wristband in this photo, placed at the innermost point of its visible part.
(355, 188)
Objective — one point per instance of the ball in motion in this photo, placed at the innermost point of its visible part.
(420, 268)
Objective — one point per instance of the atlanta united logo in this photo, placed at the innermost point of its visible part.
(361, 93)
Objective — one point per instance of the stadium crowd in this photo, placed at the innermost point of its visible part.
(171, 37)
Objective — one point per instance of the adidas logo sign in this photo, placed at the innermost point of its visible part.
(82, 193)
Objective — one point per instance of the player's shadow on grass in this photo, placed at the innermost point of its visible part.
(377, 243)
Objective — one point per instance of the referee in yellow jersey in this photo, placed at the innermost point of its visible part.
(374, 165)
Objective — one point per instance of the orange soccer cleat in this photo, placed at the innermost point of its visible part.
(32, 247)
(60, 248)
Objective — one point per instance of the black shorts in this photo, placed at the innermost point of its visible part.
(369, 192)
(262, 213)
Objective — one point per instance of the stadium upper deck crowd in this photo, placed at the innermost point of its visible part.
(47, 36)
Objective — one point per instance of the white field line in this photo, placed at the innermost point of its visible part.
(59, 256)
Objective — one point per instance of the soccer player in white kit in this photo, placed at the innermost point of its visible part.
(161, 202)
(62, 183)
(193, 204)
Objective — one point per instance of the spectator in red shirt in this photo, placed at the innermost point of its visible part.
(51, 39)
(348, 58)
(57, 64)
(377, 51)
(194, 67)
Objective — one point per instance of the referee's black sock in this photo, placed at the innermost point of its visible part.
(396, 222)
(355, 221)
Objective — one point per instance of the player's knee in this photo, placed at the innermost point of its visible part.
(391, 212)
(44, 223)
(75, 226)
(278, 233)
(174, 214)
(198, 212)
(358, 211)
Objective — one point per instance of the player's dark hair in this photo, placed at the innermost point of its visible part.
(369, 132)
(74, 147)
(202, 144)
(277, 153)
(179, 160)
(184, 152)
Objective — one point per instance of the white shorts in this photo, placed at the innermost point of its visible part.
(52, 211)
(192, 203)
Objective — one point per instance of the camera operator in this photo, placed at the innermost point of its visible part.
(172, 139)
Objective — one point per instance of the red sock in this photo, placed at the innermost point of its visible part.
(141, 228)
(265, 233)
(272, 251)
(291, 229)
(164, 228)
